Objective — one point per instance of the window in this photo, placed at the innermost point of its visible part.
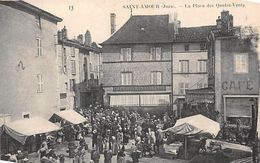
(72, 84)
(72, 51)
(90, 67)
(63, 95)
(184, 66)
(202, 46)
(39, 83)
(156, 77)
(66, 86)
(73, 67)
(156, 53)
(154, 100)
(126, 54)
(202, 66)
(183, 87)
(64, 60)
(186, 47)
(38, 21)
(39, 47)
(26, 115)
(241, 63)
(126, 78)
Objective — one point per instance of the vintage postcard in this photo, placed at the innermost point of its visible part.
(120, 81)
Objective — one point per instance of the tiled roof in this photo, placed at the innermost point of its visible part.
(193, 34)
(76, 44)
(143, 29)
(156, 29)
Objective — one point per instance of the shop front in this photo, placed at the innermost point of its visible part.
(239, 108)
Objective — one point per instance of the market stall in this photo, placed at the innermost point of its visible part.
(69, 116)
(197, 124)
(24, 133)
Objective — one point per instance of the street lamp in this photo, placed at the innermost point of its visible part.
(254, 127)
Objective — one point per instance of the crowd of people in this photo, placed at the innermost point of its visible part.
(113, 128)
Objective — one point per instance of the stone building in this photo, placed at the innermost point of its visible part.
(28, 60)
(233, 71)
(189, 62)
(79, 69)
(137, 63)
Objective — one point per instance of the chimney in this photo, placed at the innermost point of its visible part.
(177, 25)
(80, 38)
(174, 24)
(218, 22)
(225, 22)
(59, 35)
(64, 33)
(231, 21)
(113, 22)
(88, 40)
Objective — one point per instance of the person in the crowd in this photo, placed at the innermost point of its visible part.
(108, 156)
(95, 155)
(71, 149)
(44, 148)
(135, 156)
(60, 135)
(114, 146)
(121, 156)
(100, 143)
(13, 157)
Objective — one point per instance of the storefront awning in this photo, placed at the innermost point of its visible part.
(71, 116)
(21, 129)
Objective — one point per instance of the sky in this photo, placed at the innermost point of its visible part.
(94, 15)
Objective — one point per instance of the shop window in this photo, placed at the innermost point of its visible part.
(124, 100)
(154, 100)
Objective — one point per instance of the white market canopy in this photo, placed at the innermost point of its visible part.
(194, 125)
(21, 129)
(71, 116)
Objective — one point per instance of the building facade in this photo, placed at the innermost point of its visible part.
(189, 62)
(28, 60)
(79, 69)
(137, 63)
(233, 71)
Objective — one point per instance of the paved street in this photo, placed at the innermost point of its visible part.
(61, 149)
